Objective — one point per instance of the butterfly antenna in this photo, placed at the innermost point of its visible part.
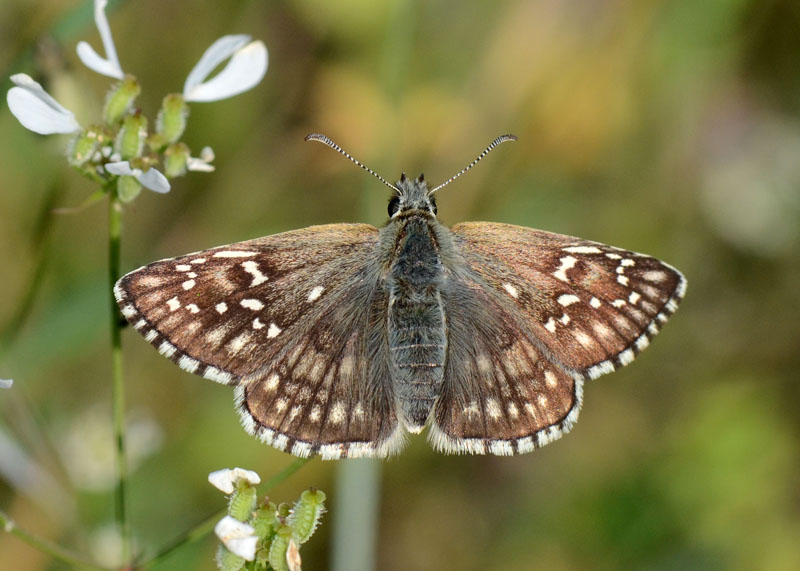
(323, 139)
(499, 140)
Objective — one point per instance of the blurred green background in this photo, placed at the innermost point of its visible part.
(666, 127)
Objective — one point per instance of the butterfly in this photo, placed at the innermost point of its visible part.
(341, 339)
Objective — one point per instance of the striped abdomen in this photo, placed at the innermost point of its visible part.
(416, 322)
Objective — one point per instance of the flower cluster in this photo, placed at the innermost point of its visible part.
(262, 536)
(120, 153)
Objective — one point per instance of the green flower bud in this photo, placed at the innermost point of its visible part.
(175, 158)
(128, 188)
(306, 514)
(228, 561)
(131, 137)
(277, 551)
(243, 501)
(171, 121)
(265, 520)
(83, 147)
(120, 99)
(283, 510)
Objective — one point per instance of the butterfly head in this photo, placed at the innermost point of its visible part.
(412, 194)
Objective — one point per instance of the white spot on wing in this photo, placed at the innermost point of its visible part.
(550, 325)
(582, 250)
(314, 294)
(173, 303)
(257, 323)
(594, 302)
(234, 254)
(634, 297)
(568, 299)
(188, 284)
(584, 339)
(567, 263)
(253, 304)
(272, 382)
(221, 307)
(238, 343)
(273, 331)
(183, 267)
(550, 379)
(337, 413)
(512, 291)
(622, 279)
(493, 409)
(193, 308)
(251, 267)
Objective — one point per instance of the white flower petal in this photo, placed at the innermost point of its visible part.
(198, 165)
(37, 110)
(95, 62)
(207, 154)
(231, 528)
(244, 547)
(6, 383)
(108, 65)
(27, 82)
(121, 168)
(153, 180)
(244, 70)
(218, 52)
(225, 479)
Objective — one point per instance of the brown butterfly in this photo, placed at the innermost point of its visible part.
(340, 339)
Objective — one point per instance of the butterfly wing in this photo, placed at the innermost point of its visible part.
(286, 319)
(531, 316)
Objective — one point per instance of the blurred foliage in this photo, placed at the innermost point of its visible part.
(670, 127)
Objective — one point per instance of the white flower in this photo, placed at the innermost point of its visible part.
(151, 178)
(6, 383)
(203, 162)
(245, 68)
(108, 65)
(239, 538)
(37, 110)
(225, 479)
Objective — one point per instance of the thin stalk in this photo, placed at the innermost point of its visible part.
(118, 381)
(53, 550)
(207, 526)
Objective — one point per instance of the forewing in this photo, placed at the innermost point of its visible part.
(531, 315)
(592, 307)
(287, 319)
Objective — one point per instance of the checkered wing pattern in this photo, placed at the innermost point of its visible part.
(532, 315)
(286, 320)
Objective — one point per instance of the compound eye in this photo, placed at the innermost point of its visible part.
(433, 206)
(394, 205)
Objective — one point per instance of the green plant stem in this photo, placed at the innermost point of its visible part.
(55, 551)
(207, 526)
(118, 381)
